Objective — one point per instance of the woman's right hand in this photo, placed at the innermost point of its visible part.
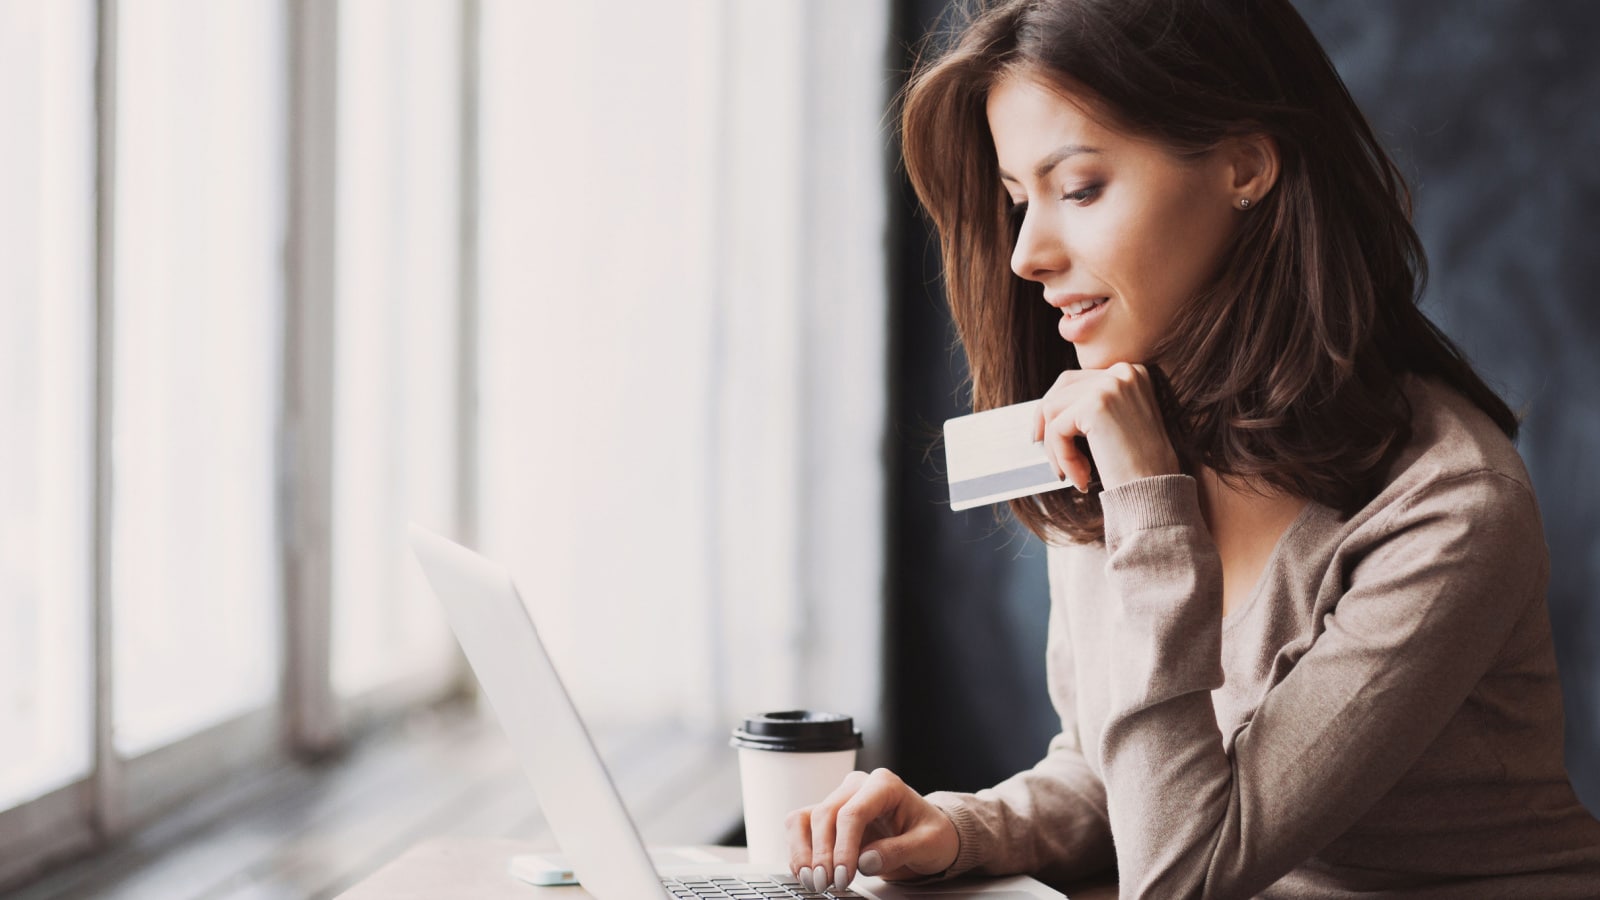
(875, 824)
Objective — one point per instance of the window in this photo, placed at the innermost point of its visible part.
(565, 280)
(197, 300)
(682, 347)
(162, 494)
(597, 322)
(46, 396)
(396, 336)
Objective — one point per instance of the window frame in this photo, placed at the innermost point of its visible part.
(121, 794)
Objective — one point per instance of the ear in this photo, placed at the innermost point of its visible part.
(1252, 166)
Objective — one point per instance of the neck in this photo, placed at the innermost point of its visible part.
(1247, 503)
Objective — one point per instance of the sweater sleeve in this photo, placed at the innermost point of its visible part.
(1049, 820)
(1422, 616)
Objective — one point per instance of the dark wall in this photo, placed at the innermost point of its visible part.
(1492, 111)
(968, 597)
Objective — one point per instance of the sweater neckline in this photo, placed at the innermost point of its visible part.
(1239, 614)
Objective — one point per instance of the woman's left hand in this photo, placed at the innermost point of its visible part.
(1115, 409)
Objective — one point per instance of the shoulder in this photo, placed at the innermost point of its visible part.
(1452, 441)
(1457, 466)
(1451, 436)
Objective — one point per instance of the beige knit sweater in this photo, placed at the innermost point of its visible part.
(1382, 715)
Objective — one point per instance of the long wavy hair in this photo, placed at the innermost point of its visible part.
(1285, 369)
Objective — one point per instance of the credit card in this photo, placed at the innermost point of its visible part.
(989, 457)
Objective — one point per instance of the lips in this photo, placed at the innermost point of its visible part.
(1080, 314)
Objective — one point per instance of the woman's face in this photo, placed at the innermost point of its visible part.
(1118, 230)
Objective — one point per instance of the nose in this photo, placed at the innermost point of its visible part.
(1040, 252)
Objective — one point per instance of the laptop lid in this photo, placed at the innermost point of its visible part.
(575, 791)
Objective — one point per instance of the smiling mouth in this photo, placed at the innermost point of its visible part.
(1074, 310)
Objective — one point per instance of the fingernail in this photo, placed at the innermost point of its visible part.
(821, 878)
(805, 877)
(840, 882)
(870, 863)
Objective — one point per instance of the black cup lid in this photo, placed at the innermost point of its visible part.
(797, 731)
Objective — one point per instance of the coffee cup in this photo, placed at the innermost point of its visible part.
(788, 760)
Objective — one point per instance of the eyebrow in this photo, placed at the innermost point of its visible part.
(1051, 161)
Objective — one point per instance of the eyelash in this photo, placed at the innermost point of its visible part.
(1080, 196)
(1088, 193)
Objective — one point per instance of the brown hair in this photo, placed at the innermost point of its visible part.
(1285, 368)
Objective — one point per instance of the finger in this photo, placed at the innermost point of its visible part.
(894, 858)
(1148, 390)
(1054, 400)
(824, 819)
(797, 826)
(878, 797)
(1062, 445)
(1041, 436)
(822, 829)
(1047, 411)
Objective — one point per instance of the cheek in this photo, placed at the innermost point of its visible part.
(1165, 253)
(1133, 253)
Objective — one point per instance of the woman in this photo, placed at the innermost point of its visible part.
(1299, 641)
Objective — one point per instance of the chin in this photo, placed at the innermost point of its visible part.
(1092, 357)
(1089, 358)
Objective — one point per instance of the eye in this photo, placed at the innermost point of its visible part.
(1083, 195)
(1015, 212)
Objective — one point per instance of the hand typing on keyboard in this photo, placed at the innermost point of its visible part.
(875, 824)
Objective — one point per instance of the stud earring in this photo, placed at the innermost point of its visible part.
(1244, 203)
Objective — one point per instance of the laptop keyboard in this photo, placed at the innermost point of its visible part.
(756, 887)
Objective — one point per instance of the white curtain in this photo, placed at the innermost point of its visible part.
(683, 347)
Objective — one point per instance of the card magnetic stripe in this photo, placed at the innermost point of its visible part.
(1000, 482)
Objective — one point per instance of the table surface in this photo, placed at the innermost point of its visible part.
(450, 867)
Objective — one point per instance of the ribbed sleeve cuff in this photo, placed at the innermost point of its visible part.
(968, 836)
(1155, 502)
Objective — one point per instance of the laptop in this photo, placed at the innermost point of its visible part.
(580, 802)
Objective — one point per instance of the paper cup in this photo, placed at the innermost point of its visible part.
(788, 760)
